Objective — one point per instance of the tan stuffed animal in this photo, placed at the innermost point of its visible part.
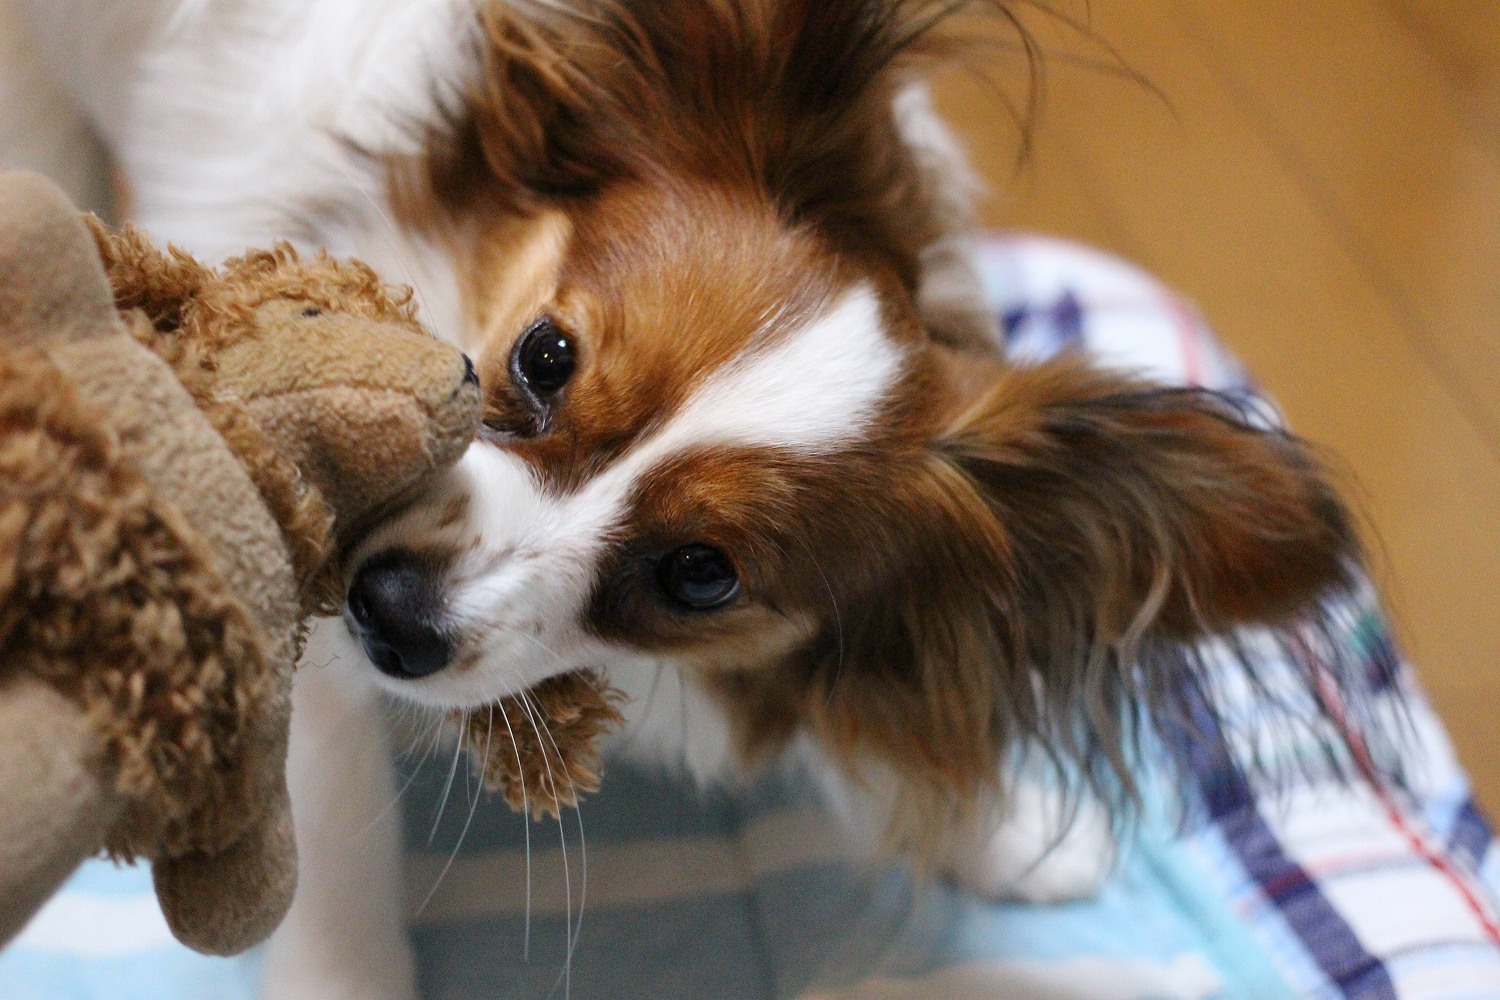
(352, 434)
(173, 487)
(176, 485)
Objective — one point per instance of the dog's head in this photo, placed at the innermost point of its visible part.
(728, 430)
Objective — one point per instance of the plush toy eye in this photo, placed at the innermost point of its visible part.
(312, 312)
(544, 359)
(698, 576)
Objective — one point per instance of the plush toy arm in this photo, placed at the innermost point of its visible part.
(59, 807)
(222, 904)
(56, 807)
(227, 901)
(145, 597)
(139, 714)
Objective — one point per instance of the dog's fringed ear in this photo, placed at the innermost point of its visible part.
(539, 123)
(1074, 531)
(1132, 511)
(160, 284)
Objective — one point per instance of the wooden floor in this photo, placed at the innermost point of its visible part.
(1324, 179)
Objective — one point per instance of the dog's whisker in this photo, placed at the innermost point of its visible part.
(526, 826)
(682, 727)
(572, 787)
(437, 819)
(567, 973)
(433, 738)
(473, 808)
(400, 794)
(572, 792)
(391, 237)
(634, 732)
(539, 644)
(583, 844)
(533, 715)
(838, 619)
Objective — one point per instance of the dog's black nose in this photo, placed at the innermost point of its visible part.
(396, 607)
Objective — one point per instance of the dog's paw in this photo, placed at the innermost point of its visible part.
(1038, 853)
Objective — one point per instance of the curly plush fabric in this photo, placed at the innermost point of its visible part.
(107, 594)
(540, 749)
(176, 292)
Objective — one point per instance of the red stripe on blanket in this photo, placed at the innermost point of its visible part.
(1190, 334)
(1415, 840)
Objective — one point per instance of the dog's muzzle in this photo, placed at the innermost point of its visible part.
(396, 610)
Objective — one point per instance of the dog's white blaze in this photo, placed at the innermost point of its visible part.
(811, 391)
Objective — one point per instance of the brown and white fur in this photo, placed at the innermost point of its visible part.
(750, 226)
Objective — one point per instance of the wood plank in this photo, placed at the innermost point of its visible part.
(1357, 113)
(1466, 33)
(1208, 201)
(1044, 186)
(1050, 189)
(1463, 37)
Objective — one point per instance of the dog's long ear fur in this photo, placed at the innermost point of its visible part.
(810, 103)
(1133, 509)
(1078, 530)
(778, 92)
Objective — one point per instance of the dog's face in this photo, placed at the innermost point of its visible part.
(688, 439)
(723, 433)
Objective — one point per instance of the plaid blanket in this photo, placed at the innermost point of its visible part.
(1325, 884)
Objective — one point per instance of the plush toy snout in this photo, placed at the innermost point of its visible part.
(365, 410)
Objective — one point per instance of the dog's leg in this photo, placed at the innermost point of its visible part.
(1036, 848)
(951, 296)
(41, 129)
(345, 937)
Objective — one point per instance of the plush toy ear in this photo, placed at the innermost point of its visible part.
(51, 288)
(159, 284)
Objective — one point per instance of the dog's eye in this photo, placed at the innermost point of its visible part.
(545, 358)
(698, 576)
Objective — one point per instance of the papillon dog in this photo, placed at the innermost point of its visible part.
(748, 420)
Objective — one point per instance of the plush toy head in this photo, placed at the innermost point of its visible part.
(328, 364)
